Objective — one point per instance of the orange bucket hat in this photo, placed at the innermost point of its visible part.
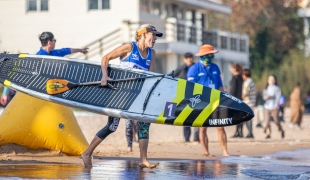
(206, 49)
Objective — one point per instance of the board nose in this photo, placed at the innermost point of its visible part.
(231, 111)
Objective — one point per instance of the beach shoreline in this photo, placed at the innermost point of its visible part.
(166, 143)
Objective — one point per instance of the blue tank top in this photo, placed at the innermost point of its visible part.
(135, 60)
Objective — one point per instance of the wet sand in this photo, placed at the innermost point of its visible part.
(283, 165)
(166, 145)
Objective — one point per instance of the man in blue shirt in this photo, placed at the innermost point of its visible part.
(48, 43)
(208, 74)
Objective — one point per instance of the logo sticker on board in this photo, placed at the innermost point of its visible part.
(170, 109)
(194, 100)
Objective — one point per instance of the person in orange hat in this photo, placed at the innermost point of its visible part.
(208, 74)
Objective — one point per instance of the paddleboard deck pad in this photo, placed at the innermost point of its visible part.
(161, 99)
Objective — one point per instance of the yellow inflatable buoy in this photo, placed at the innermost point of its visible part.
(38, 124)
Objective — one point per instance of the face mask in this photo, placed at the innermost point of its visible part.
(206, 59)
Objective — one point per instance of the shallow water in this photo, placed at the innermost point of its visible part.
(282, 165)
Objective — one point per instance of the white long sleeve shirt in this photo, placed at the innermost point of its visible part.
(274, 93)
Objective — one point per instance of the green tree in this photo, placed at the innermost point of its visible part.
(276, 32)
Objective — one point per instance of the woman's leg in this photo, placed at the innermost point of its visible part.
(143, 133)
(275, 115)
(129, 134)
(110, 127)
(267, 119)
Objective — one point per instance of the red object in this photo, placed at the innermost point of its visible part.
(4, 99)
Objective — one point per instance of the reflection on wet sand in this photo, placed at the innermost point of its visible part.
(58, 171)
(289, 165)
(120, 169)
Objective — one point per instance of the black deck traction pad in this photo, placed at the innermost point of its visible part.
(32, 73)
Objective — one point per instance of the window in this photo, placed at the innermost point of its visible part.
(32, 5)
(180, 32)
(167, 11)
(156, 8)
(242, 45)
(209, 38)
(105, 4)
(144, 6)
(161, 64)
(223, 42)
(175, 9)
(193, 16)
(203, 20)
(98, 4)
(37, 5)
(233, 44)
(193, 35)
(180, 13)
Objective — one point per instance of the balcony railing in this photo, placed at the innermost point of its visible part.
(186, 32)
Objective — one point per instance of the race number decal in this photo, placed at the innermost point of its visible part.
(170, 110)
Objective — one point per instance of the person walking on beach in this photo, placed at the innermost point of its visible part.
(271, 96)
(208, 74)
(138, 54)
(236, 90)
(248, 96)
(48, 43)
(296, 106)
(181, 72)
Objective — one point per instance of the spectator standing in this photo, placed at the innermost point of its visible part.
(208, 74)
(236, 90)
(181, 72)
(248, 96)
(271, 96)
(296, 106)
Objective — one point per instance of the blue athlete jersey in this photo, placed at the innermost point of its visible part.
(209, 76)
(135, 60)
(56, 52)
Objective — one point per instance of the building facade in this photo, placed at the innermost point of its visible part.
(102, 25)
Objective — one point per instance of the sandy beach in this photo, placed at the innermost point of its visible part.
(166, 142)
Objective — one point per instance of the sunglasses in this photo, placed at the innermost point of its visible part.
(53, 40)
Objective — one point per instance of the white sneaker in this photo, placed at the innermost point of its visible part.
(291, 125)
(195, 143)
(298, 128)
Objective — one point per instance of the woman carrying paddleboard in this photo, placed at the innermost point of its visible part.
(138, 55)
